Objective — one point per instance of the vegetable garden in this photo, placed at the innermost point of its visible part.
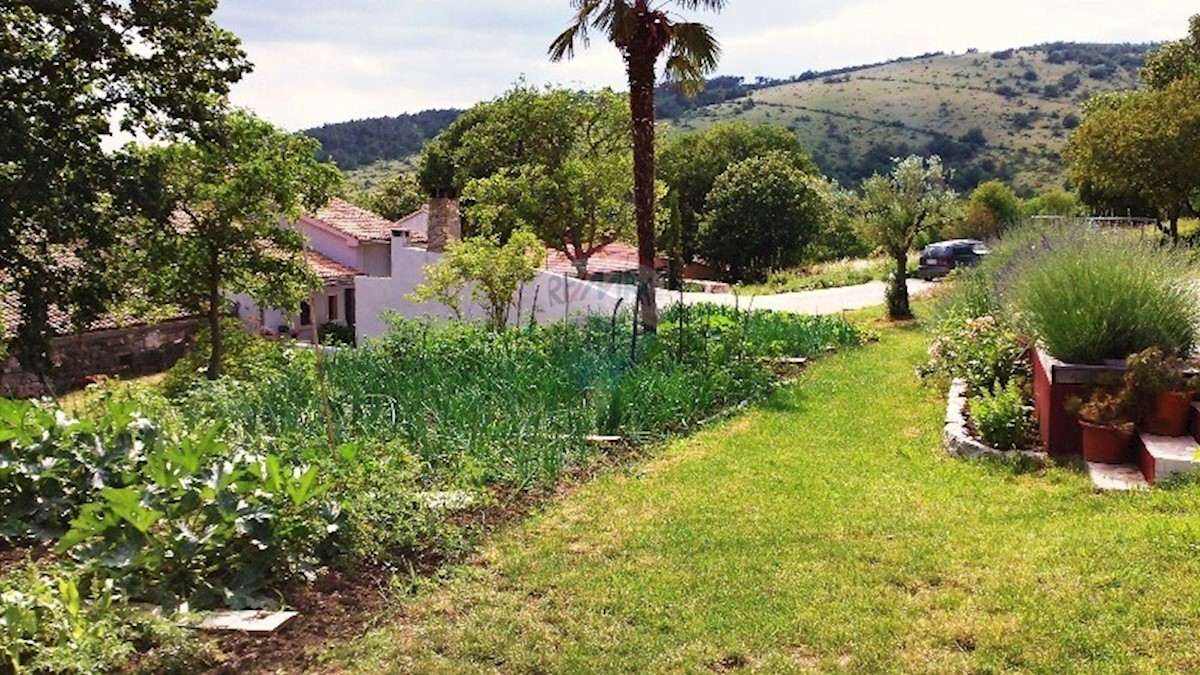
(225, 492)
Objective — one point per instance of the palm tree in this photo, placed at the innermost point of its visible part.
(643, 31)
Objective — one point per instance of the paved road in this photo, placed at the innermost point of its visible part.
(824, 301)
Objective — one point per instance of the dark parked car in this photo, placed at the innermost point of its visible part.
(940, 257)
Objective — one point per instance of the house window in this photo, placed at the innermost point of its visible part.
(331, 308)
(305, 314)
(349, 306)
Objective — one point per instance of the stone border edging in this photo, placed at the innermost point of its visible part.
(957, 439)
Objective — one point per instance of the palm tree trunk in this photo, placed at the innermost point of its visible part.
(640, 68)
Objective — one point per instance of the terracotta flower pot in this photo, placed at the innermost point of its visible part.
(1170, 414)
(1104, 443)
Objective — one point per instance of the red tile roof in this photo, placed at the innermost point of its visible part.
(330, 271)
(355, 221)
(614, 258)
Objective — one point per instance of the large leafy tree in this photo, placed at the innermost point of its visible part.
(992, 208)
(1141, 144)
(553, 161)
(762, 213)
(71, 72)
(1175, 61)
(228, 197)
(394, 198)
(643, 31)
(690, 163)
(914, 198)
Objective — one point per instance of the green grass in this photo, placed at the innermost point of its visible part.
(825, 530)
(829, 274)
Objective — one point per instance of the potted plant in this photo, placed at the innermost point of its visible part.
(1106, 422)
(1160, 389)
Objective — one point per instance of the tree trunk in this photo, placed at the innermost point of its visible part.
(1173, 217)
(640, 67)
(897, 294)
(214, 314)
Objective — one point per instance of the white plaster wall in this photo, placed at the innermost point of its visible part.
(331, 246)
(375, 259)
(557, 297)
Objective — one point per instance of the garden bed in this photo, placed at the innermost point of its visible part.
(326, 465)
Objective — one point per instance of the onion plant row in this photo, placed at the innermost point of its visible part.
(515, 407)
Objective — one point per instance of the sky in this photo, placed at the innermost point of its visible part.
(322, 61)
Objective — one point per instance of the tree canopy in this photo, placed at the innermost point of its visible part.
(761, 214)
(71, 73)
(913, 198)
(1142, 144)
(395, 197)
(553, 161)
(493, 271)
(1175, 61)
(229, 197)
(690, 163)
(992, 208)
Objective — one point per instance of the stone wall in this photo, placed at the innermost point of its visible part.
(127, 352)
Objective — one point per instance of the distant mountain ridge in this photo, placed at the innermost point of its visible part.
(1001, 114)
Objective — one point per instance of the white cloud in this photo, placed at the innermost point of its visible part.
(320, 62)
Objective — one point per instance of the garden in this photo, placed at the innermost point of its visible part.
(393, 459)
(1113, 314)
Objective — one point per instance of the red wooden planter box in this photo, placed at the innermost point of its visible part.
(1053, 383)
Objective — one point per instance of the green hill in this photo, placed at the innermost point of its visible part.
(989, 115)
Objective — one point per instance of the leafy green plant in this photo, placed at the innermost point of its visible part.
(53, 622)
(984, 352)
(1003, 419)
(168, 515)
(51, 463)
(1095, 296)
(337, 334)
(1150, 372)
(203, 525)
(244, 356)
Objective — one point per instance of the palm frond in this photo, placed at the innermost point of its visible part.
(711, 5)
(598, 14)
(693, 54)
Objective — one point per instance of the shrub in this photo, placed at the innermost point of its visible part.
(983, 351)
(244, 356)
(1003, 419)
(337, 334)
(1094, 296)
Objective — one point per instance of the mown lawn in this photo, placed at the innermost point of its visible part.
(823, 531)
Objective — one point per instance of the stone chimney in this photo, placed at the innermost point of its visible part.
(444, 223)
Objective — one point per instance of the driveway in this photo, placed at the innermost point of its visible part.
(823, 301)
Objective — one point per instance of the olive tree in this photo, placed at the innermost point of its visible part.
(914, 198)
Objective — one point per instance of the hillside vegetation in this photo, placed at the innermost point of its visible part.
(989, 115)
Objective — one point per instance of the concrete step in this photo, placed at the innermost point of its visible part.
(1117, 476)
(1162, 456)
